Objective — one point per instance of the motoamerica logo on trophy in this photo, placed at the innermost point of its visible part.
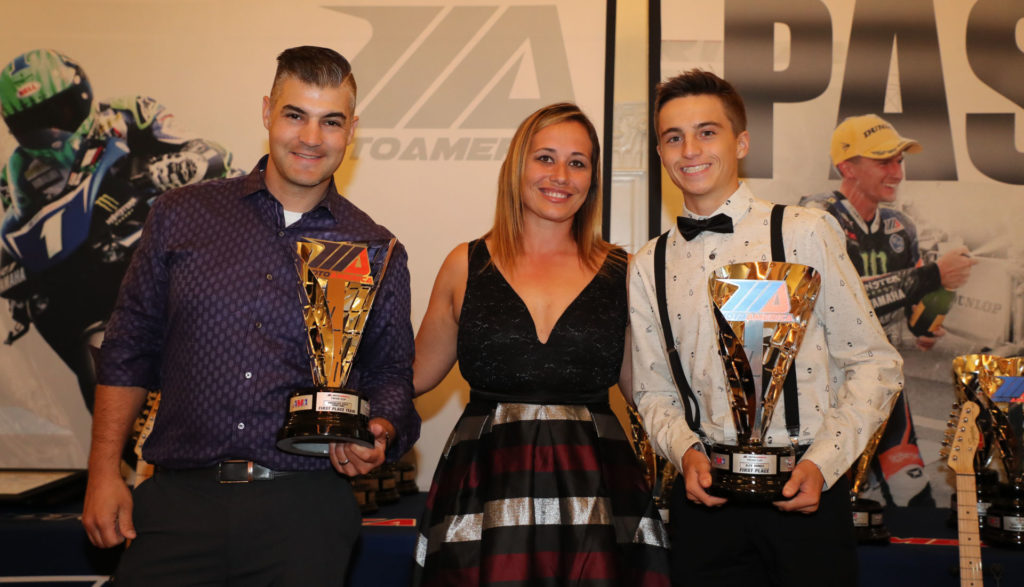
(339, 283)
(761, 310)
(997, 385)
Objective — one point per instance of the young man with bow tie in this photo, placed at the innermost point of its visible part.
(846, 372)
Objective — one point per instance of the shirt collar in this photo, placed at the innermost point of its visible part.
(255, 182)
(864, 226)
(735, 206)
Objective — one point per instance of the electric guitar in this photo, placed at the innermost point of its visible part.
(961, 459)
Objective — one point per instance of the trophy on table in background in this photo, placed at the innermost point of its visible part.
(868, 520)
(761, 310)
(997, 385)
(386, 477)
(339, 283)
(407, 478)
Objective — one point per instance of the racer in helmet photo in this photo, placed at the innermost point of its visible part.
(75, 193)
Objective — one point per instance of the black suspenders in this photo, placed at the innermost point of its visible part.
(789, 385)
(690, 404)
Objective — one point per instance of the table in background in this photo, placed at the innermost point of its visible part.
(923, 551)
(48, 540)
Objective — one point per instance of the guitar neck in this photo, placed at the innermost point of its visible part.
(967, 531)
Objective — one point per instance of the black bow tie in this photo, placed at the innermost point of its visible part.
(691, 227)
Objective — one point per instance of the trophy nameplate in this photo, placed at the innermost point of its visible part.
(339, 282)
(761, 310)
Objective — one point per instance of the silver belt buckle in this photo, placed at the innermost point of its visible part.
(249, 477)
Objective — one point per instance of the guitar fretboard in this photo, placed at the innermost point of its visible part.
(967, 531)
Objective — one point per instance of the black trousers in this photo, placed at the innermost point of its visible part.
(295, 530)
(749, 544)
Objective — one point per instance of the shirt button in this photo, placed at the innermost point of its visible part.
(248, 374)
(259, 324)
(270, 276)
(711, 256)
(280, 233)
(241, 426)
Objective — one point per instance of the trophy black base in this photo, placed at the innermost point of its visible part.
(1003, 528)
(869, 522)
(320, 416)
(751, 473)
(1004, 520)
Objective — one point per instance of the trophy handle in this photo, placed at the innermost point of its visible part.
(862, 465)
(739, 375)
(642, 446)
(387, 259)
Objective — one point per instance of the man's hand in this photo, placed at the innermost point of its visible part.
(926, 342)
(804, 489)
(107, 511)
(955, 267)
(351, 459)
(697, 477)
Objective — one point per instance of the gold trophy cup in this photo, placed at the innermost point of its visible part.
(762, 311)
(996, 384)
(339, 283)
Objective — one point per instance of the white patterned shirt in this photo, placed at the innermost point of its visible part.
(848, 375)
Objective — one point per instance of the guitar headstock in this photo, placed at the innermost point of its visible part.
(965, 440)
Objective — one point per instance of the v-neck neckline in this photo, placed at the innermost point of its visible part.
(522, 302)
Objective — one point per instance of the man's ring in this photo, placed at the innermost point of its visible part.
(345, 462)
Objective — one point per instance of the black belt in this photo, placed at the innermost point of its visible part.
(231, 471)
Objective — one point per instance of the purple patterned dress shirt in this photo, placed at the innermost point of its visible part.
(210, 314)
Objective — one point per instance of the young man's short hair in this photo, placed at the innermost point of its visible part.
(698, 82)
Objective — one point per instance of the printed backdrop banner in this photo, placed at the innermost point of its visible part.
(944, 73)
(442, 86)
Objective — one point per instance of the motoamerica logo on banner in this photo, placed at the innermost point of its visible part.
(451, 83)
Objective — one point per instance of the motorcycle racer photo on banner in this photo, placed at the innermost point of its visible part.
(906, 289)
(75, 193)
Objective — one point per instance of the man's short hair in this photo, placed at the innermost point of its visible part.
(698, 82)
(317, 66)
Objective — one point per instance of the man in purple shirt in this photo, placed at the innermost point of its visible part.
(209, 314)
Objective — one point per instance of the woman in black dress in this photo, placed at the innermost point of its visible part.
(537, 484)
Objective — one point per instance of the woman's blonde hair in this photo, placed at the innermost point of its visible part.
(506, 234)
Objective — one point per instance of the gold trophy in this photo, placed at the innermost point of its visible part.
(996, 384)
(762, 311)
(642, 447)
(658, 471)
(339, 283)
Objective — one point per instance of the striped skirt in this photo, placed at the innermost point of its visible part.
(538, 494)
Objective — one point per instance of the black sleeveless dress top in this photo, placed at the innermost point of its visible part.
(503, 360)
